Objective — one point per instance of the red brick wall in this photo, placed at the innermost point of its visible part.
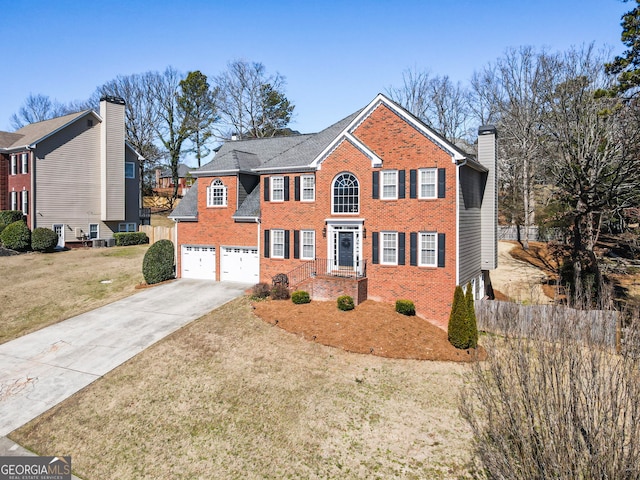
(4, 173)
(330, 288)
(401, 147)
(20, 182)
(215, 225)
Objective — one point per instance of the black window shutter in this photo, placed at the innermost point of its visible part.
(441, 242)
(376, 176)
(413, 249)
(286, 244)
(286, 189)
(374, 242)
(401, 184)
(296, 188)
(296, 242)
(401, 248)
(266, 244)
(413, 178)
(266, 189)
(442, 176)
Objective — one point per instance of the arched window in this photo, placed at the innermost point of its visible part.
(217, 194)
(346, 194)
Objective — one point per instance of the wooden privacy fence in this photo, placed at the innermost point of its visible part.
(548, 322)
(158, 233)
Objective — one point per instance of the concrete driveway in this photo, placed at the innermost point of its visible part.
(39, 370)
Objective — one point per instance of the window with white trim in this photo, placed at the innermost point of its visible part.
(308, 247)
(129, 170)
(93, 230)
(389, 185)
(427, 181)
(277, 243)
(25, 202)
(14, 165)
(308, 188)
(217, 194)
(346, 194)
(389, 248)
(277, 189)
(25, 163)
(14, 200)
(428, 254)
(127, 227)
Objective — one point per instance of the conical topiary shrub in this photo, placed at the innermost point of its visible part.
(472, 323)
(157, 264)
(458, 330)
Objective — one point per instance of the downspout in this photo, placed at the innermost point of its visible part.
(259, 248)
(459, 163)
(32, 193)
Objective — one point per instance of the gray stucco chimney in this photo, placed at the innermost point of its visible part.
(112, 137)
(487, 156)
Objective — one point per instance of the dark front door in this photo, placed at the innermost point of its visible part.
(345, 249)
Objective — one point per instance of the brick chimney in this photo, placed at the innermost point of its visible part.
(487, 156)
(112, 137)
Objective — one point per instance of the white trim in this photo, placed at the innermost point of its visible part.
(133, 168)
(435, 250)
(302, 245)
(272, 188)
(435, 183)
(97, 230)
(211, 189)
(24, 161)
(381, 185)
(272, 238)
(302, 189)
(458, 170)
(382, 247)
(333, 182)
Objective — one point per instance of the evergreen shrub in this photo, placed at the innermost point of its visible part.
(16, 236)
(405, 307)
(345, 302)
(44, 240)
(130, 238)
(7, 217)
(158, 262)
(300, 296)
(459, 331)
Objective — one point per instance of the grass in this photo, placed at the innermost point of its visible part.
(40, 289)
(230, 396)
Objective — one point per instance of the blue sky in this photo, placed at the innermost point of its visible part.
(336, 56)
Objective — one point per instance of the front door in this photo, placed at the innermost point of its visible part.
(59, 229)
(345, 249)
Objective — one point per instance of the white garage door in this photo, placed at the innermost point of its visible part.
(239, 264)
(198, 261)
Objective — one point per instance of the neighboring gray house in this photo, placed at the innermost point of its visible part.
(74, 174)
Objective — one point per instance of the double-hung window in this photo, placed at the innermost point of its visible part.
(428, 186)
(14, 200)
(428, 255)
(25, 163)
(129, 170)
(308, 188)
(93, 230)
(25, 202)
(14, 165)
(217, 194)
(308, 250)
(389, 185)
(389, 248)
(277, 243)
(277, 189)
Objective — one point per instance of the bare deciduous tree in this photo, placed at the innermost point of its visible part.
(37, 108)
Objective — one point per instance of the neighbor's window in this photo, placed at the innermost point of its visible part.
(14, 165)
(428, 178)
(308, 245)
(389, 248)
(25, 202)
(217, 194)
(127, 227)
(308, 188)
(277, 243)
(428, 249)
(346, 194)
(277, 189)
(14, 200)
(129, 170)
(93, 230)
(25, 163)
(389, 185)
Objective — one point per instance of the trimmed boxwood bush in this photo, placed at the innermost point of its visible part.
(157, 265)
(460, 331)
(261, 290)
(280, 292)
(16, 236)
(405, 307)
(44, 240)
(7, 217)
(345, 302)
(300, 296)
(130, 238)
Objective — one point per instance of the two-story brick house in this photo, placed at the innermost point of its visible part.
(74, 174)
(376, 206)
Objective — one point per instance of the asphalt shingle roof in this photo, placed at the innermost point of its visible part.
(251, 205)
(188, 206)
(35, 132)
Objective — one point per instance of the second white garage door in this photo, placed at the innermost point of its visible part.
(198, 261)
(239, 264)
